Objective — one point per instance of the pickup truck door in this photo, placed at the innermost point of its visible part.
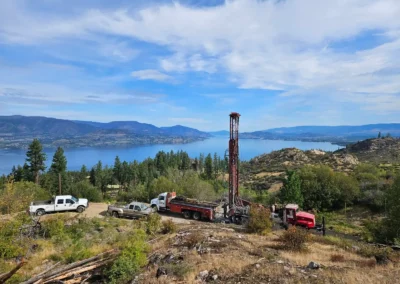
(61, 205)
(137, 211)
(129, 212)
(70, 204)
(161, 201)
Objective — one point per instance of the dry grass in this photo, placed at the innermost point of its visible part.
(337, 258)
(268, 174)
(248, 258)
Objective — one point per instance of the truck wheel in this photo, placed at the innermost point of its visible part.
(154, 207)
(40, 212)
(80, 209)
(196, 216)
(186, 214)
(115, 214)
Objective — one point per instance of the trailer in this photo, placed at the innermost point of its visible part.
(189, 208)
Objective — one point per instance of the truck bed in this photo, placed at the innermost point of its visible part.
(42, 202)
(193, 202)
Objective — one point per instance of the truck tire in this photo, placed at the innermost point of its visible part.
(187, 214)
(197, 216)
(40, 212)
(80, 209)
(115, 214)
(154, 207)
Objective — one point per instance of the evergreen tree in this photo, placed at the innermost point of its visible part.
(208, 167)
(117, 170)
(201, 162)
(215, 165)
(36, 158)
(291, 190)
(83, 173)
(59, 166)
(379, 135)
(92, 177)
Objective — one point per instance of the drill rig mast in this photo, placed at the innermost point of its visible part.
(233, 159)
(238, 211)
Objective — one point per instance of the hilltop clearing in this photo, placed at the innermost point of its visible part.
(217, 253)
(379, 150)
(267, 170)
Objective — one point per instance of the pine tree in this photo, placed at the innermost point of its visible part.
(59, 166)
(208, 167)
(215, 165)
(92, 177)
(117, 169)
(36, 158)
(83, 173)
(201, 162)
(291, 190)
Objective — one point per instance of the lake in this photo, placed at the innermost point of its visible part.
(248, 148)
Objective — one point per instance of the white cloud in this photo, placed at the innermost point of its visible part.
(275, 45)
(49, 94)
(151, 74)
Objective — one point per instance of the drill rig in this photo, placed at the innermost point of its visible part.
(238, 208)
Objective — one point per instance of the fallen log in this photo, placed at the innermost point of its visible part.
(4, 277)
(79, 271)
(69, 267)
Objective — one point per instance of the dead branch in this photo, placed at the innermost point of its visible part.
(79, 270)
(4, 277)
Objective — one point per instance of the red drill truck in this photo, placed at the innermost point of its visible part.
(292, 216)
(189, 208)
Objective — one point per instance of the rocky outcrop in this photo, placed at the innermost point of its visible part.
(261, 172)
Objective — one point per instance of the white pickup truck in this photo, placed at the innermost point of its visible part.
(58, 204)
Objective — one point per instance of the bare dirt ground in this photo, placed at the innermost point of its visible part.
(100, 210)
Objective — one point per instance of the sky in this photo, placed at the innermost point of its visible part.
(277, 62)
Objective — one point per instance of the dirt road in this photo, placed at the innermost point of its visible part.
(100, 210)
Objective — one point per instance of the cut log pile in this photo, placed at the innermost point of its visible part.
(76, 272)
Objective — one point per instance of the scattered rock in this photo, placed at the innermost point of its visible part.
(203, 274)
(215, 277)
(161, 271)
(382, 259)
(356, 248)
(287, 268)
(313, 265)
(258, 266)
(280, 261)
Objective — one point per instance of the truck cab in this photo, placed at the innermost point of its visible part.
(160, 203)
(293, 216)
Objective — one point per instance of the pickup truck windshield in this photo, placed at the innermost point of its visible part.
(74, 199)
(144, 207)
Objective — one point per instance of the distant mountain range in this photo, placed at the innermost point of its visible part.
(335, 134)
(37, 125)
(18, 131)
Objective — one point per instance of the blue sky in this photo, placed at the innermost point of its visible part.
(278, 63)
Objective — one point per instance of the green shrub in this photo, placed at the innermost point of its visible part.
(11, 243)
(259, 220)
(153, 224)
(77, 251)
(168, 227)
(295, 239)
(132, 257)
